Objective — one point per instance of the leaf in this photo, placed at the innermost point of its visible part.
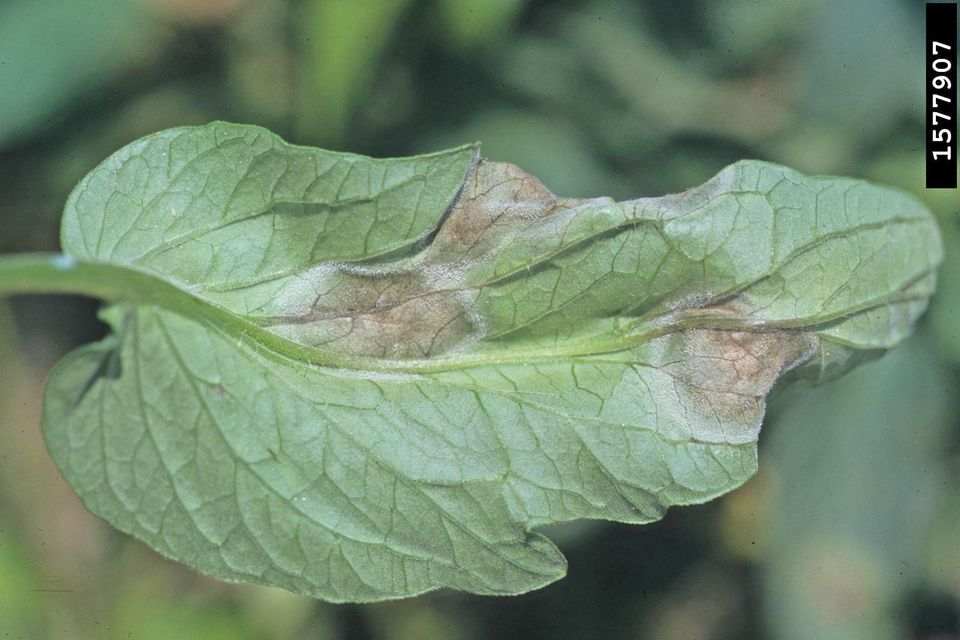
(373, 378)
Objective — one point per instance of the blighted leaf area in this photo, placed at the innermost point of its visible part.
(425, 358)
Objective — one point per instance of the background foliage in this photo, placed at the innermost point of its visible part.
(851, 529)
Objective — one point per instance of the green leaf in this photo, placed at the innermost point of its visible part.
(361, 379)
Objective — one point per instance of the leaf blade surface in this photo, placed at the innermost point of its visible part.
(494, 358)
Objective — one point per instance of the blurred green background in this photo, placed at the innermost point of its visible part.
(852, 528)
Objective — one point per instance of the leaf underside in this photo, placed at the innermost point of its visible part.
(465, 356)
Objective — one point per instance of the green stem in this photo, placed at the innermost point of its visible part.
(37, 273)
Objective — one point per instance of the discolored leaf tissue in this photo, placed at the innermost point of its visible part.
(371, 378)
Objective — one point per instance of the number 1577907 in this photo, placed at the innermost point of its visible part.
(941, 82)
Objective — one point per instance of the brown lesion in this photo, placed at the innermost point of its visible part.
(496, 194)
(424, 309)
(732, 370)
(385, 321)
